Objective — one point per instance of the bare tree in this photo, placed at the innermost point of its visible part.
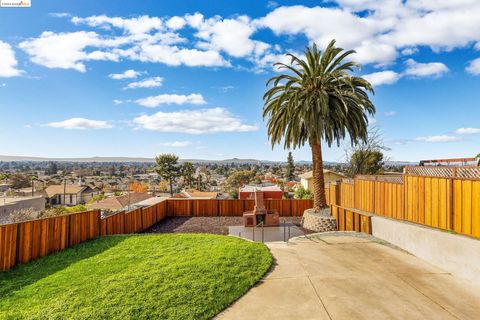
(366, 157)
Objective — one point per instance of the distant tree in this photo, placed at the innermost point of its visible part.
(200, 183)
(187, 172)
(163, 186)
(52, 168)
(302, 193)
(138, 187)
(19, 181)
(290, 174)
(113, 170)
(367, 156)
(167, 168)
(4, 176)
(236, 180)
(317, 99)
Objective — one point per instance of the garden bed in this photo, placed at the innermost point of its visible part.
(214, 225)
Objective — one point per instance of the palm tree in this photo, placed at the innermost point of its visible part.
(317, 99)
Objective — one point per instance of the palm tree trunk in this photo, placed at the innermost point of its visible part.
(319, 199)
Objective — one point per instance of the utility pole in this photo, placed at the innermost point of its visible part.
(33, 184)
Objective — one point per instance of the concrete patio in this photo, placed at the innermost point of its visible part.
(350, 277)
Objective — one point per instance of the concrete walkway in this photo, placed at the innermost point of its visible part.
(345, 277)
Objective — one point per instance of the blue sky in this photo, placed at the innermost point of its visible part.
(100, 78)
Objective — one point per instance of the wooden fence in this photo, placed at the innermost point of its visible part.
(233, 208)
(352, 220)
(448, 203)
(26, 241)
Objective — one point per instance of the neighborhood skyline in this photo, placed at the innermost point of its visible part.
(84, 80)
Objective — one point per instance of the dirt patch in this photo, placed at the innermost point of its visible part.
(215, 225)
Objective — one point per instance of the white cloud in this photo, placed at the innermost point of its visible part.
(176, 23)
(176, 144)
(397, 142)
(155, 101)
(175, 56)
(80, 124)
(388, 113)
(320, 24)
(146, 83)
(59, 15)
(409, 51)
(272, 4)
(232, 36)
(8, 62)
(467, 131)
(379, 31)
(386, 26)
(474, 67)
(137, 25)
(226, 88)
(72, 50)
(66, 50)
(440, 138)
(432, 69)
(128, 74)
(382, 77)
(117, 101)
(202, 121)
(372, 120)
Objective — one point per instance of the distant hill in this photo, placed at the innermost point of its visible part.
(135, 159)
(196, 161)
(92, 159)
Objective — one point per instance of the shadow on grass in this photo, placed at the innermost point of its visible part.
(26, 274)
(169, 225)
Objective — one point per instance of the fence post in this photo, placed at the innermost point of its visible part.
(337, 193)
(17, 247)
(354, 193)
(452, 200)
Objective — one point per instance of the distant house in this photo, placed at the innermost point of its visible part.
(123, 202)
(306, 179)
(270, 192)
(69, 195)
(27, 192)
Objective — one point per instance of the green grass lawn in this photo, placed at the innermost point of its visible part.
(169, 276)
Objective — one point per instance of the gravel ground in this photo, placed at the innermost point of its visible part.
(215, 225)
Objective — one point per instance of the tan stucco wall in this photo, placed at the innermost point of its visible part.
(329, 177)
(37, 203)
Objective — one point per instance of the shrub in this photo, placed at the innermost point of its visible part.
(96, 198)
(302, 193)
(77, 208)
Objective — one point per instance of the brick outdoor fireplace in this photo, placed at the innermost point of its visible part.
(260, 214)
